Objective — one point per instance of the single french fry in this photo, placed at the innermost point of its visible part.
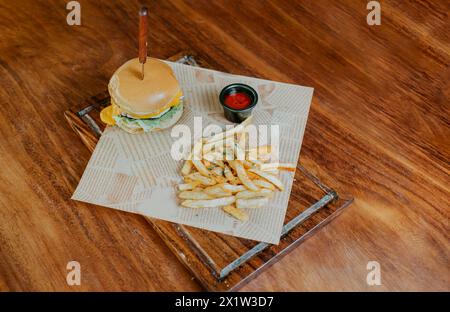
(187, 167)
(278, 166)
(264, 184)
(264, 149)
(269, 177)
(242, 138)
(251, 203)
(209, 203)
(272, 171)
(200, 178)
(207, 164)
(219, 137)
(228, 174)
(236, 181)
(217, 191)
(236, 213)
(213, 147)
(252, 176)
(185, 187)
(255, 162)
(261, 150)
(234, 188)
(239, 152)
(252, 194)
(264, 158)
(247, 164)
(242, 175)
(216, 158)
(194, 195)
(218, 163)
(196, 152)
(228, 153)
(232, 165)
(198, 164)
(220, 179)
(222, 135)
(212, 156)
(188, 186)
(218, 171)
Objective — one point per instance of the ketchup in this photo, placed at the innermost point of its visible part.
(238, 100)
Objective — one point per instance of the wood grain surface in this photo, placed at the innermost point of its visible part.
(378, 127)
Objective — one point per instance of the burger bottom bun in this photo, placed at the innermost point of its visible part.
(135, 129)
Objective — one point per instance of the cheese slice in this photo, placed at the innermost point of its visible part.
(173, 102)
(106, 115)
(152, 116)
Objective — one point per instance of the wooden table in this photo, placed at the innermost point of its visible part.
(378, 128)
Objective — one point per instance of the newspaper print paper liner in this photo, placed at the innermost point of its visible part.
(136, 173)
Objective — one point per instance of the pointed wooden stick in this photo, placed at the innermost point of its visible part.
(143, 28)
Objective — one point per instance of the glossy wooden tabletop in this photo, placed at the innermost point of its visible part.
(378, 129)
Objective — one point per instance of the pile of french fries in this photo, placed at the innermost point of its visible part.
(221, 172)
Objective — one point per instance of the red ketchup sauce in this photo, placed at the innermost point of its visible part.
(238, 101)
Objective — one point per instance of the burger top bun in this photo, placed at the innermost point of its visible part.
(152, 95)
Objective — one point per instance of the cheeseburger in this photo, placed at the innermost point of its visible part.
(143, 104)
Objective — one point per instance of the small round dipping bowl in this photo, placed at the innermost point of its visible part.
(238, 115)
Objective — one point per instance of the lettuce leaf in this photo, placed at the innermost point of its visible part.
(147, 124)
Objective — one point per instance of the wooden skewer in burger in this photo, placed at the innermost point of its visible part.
(145, 95)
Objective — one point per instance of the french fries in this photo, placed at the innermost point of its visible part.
(239, 152)
(260, 153)
(196, 176)
(228, 174)
(269, 177)
(252, 176)
(217, 191)
(209, 203)
(236, 213)
(278, 166)
(264, 158)
(221, 172)
(188, 186)
(207, 163)
(261, 150)
(242, 175)
(247, 164)
(264, 184)
(212, 156)
(251, 194)
(218, 171)
(218, 163)
(222, 135)
(200, 167)
(233, 188)
(220, 179)
(187, 167)
(255, 162)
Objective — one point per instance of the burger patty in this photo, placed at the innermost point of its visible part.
(153, 117)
